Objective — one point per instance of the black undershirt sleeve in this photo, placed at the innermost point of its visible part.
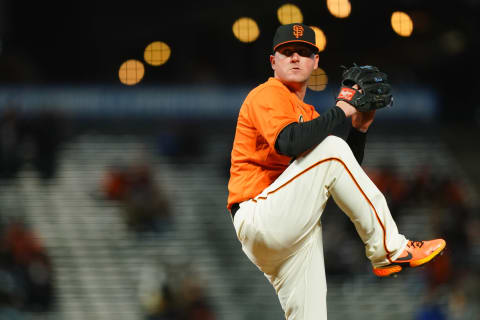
(356, 140)
(296, 138)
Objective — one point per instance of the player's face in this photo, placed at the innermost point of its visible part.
(294, 63)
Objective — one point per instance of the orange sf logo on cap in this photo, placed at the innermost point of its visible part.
(297, 31)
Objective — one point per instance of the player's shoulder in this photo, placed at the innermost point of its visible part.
(307, 105)
(269, 88)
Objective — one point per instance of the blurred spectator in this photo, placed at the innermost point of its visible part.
(452, 224)
(47, 132)
(182, 143)
(440, 272)
(11, 138)
(431, 308)
(450, 215)
(145, 205)
(25, 259)
(422, 188)
(36, 138)
(431, 312)
(461, 306)
(173, 291)
(155, 293)
(115, 183)
(7, 309)
(392, 185)
(195, 304)
(9, 295)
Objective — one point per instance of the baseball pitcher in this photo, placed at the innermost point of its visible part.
(286, 164)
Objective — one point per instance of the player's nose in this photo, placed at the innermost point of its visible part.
(295, 56)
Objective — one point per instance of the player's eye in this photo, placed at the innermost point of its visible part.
(304, 52)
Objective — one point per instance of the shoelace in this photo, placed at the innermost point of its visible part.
(414, 244)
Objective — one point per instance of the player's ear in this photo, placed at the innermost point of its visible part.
(315, 66)
(272, 61)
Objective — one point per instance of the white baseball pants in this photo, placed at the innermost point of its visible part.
(280, 229)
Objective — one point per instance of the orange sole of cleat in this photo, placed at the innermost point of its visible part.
(385, 272)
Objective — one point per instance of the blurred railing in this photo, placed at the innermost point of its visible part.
(420, 103)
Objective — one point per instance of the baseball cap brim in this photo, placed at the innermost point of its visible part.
(306, 43)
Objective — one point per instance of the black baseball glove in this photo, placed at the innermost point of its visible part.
(374, 91)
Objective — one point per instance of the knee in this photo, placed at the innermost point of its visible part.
(333, 146)
(334, 141)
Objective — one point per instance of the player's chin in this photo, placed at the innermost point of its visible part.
(297, 77)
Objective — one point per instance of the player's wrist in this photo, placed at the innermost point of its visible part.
(347, 108)
(362, 129)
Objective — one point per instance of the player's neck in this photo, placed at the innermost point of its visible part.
(299, 89)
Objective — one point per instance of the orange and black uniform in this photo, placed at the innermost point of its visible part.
(274, 126)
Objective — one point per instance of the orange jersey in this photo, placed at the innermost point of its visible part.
(267, 109)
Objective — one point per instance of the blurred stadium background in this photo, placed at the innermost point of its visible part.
(116, 123)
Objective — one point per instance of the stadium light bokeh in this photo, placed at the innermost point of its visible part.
(401, 23)
(289, 13)
(339, 8)
(246, 29)
(131, 72)
(157, 53)
(320, 38)
(318, 80)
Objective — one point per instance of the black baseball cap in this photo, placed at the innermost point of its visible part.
(294, 33)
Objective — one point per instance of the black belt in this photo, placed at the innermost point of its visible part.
(234, 209)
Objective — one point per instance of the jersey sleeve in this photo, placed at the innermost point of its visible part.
(272, 110)
(297, 138)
